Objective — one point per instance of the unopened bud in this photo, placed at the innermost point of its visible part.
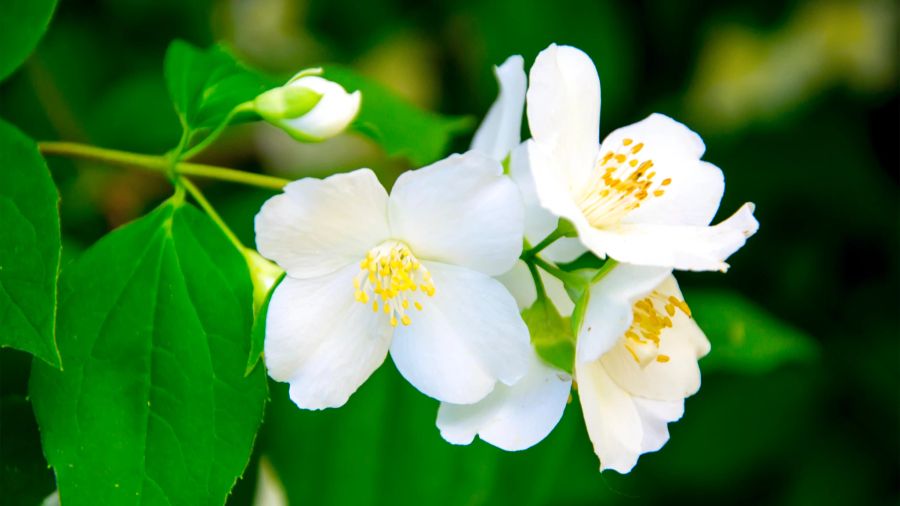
(308, 107)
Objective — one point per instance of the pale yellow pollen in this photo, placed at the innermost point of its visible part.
(619, 185)
(394, 277)
(652, 315)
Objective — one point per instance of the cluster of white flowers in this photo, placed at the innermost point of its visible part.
(432, 273)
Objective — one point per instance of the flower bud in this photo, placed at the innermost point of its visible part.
(308, 107)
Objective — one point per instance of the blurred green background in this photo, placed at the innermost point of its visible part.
(798, 104)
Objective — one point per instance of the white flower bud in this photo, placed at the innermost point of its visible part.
(308, 107)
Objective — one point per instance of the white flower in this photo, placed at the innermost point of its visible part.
(646, 346)
(643, 196)
(308, 107)
(410, 272)
(637, 361)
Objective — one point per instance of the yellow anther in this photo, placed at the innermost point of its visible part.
(392, 275)
(617, 188)
(652, 315)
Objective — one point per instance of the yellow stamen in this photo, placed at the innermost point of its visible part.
(652, 315)
(393, 276)
(621, 182)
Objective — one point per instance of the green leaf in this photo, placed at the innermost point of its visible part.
(22, 25)
(551, 334)
(399, 127)
(206, 85)
(153, 405)
(744, 337)
(29, 247)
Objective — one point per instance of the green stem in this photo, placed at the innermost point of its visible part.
(201, 199)
(538, 282)
(209, 139)
(604, 270)
(159, 164)
(555, 271)
(547, 241)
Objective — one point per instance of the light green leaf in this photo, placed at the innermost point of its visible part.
(29, 247)
(551, 334)
(399, 127)
(744, 337)
(153, 406)
(206, 85)
(22, 24)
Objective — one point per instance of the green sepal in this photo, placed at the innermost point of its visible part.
(551, 334)
(315, 71)
(258, 332)
(566, 228)
(286, 102)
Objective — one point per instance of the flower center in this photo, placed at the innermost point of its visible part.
(652, 315)
(393, 279)
(619, 184)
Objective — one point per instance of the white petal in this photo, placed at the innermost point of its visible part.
(695, 188)
(511, 418)
(655, 417)
(318, 226)
(609, 311)
(695, 248)
(539, 222)
(321, 341)
(553, 191)
(520, 284)
(501, 129)
(564, 110)
(684, 344)
(468, 336)
(621, 426)
(612, 419)
(460, 211)
(331, 115)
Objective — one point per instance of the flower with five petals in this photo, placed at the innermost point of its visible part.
(643, 196)
(409, 273)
